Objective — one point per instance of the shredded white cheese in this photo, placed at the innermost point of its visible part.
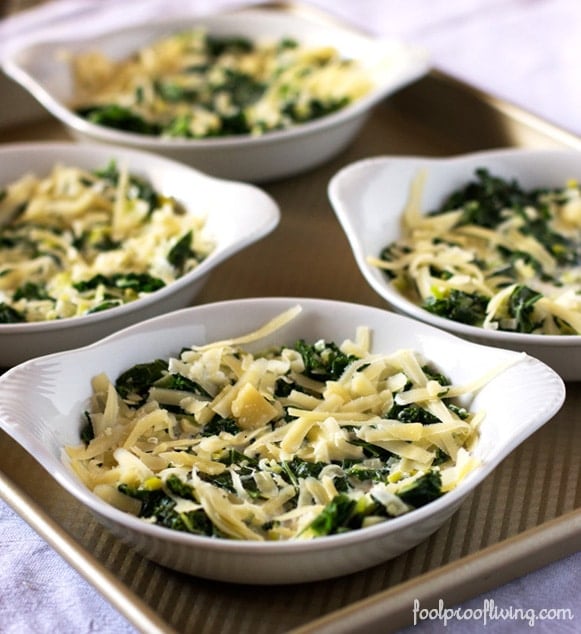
(196, 85)
(264, 453)
(74, 242)
(522, 275)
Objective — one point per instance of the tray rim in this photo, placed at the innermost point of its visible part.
(508, 559)
(497, 564)
(509, 110)
(136, 611)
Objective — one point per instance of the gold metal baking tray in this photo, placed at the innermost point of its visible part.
(526, 514)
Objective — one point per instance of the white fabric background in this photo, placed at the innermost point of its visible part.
(526, 51)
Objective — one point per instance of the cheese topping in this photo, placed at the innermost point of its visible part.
(292, 442)
(493, 256)
(76, 242)
(196, 85)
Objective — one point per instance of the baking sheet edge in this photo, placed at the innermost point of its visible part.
(458, 581)
(140, 615)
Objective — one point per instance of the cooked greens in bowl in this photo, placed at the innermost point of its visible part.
(295, 441)
(94, 238)
(486, 245)
(293, 438)
(287, 93)
(76, 241)
(493, 255)
(195, 85)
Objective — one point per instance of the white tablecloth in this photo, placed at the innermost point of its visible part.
(526, 51)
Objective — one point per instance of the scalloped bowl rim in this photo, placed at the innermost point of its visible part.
(66, 478)
(150, 160)
(386, 290)
(416, 66)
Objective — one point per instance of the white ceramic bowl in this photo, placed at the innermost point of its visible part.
(40, 69)
(237, 214)
(369, 196)
(42, 400)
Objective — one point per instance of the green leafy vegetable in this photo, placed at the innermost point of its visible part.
(31, 291)
(485, 200)
(218, 425)
(175, 381)
(323, 361)
(521, 305)
(137, 380)
(181, 252)
(139, 282)
(9, 315)
(88, 431)
(335, 517)
(158, 505)
(139, 188)
(412, 414)
(467, 308)
(425, 489)
(119, 118)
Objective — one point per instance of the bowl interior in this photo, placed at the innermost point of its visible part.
(236, 215)
(44, 419)
(371, 219)
(42, 68)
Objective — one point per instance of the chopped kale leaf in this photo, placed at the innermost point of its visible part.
(106, 305)
(335, 517)
(87, 431)
(139, 282)
(467, 308)
(412, 414)
(521, 306)
(243, 88)
(139, 188)
(372, 451)
(9, 315)
(119, 118)
(31, 291)
(297, 468)
(181, 252)
(158, 505)
(174, 381)
(323, 361)
(218, 425)
(484, 200)
(137, 380)
(425, 489)
(217, 46)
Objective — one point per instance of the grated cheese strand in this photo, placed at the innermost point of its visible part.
(275, 461)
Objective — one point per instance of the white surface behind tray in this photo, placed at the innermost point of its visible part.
(525, 51)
